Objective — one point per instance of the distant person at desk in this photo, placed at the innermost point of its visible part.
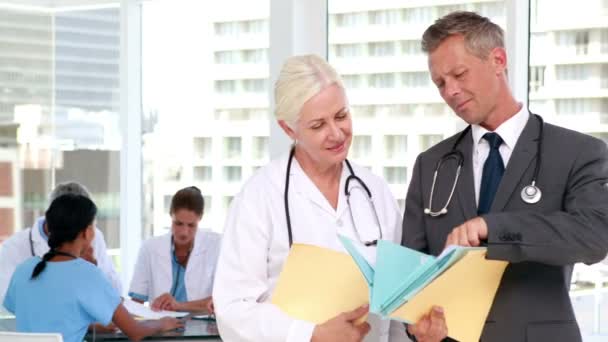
(535, 192)
(63, 293)
(34, 242)
(300, 198)
(175, 271)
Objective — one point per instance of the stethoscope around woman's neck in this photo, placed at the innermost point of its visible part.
(530, 194)
(352, 177)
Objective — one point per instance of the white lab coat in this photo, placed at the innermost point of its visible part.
(153, 273)
(255, 245)
(17, 249)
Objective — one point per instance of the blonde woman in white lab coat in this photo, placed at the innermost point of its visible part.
(311, 107)
(175, 271)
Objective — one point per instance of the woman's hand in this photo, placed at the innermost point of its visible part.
(165, 302)
(342, 328)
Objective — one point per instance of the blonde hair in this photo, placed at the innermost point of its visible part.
(301, 78)
(480, 34)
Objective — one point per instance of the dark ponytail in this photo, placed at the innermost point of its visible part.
(67, 216)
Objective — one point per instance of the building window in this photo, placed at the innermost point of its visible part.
(363, 112)
(537, 77)
(352, 81)
(418, 15)
(361, 147)
(415, 79)
(575, 72)
(604, 41)
(203, 173)
(349, 19)
(576, 106)
(225, 86)
(226, 202)
(202, 147)
(226, 57)
(395, 174)
(386, 80)
(429, 140)
(381, 49)
(255, 56)
(348, 50)
(232, 174)
(383, 17)
(232, 147)
(260, 147)
(255, 85)
(395, 146)
(411, 48)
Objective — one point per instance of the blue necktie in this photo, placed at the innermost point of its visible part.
(493, 170)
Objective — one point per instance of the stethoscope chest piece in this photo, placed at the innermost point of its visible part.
(531, 194)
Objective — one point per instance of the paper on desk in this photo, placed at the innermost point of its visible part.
(140, 310)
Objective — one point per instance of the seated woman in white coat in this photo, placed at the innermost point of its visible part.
(175, 271)
(300, 198)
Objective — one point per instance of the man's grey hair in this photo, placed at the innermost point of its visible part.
(65, 188)
(480, 34)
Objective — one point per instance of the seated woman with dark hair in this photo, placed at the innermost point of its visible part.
(176, 271)
(63, 293)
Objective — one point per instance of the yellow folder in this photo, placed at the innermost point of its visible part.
(465, 291)
(317, 284)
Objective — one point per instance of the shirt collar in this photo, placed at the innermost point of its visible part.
(509, 130)
(40, 224)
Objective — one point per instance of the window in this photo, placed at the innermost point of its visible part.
(395, 146)
(348, 50)
(203, 173)
(232, 174)
(386, 80)
(204, 71)
(232, 147)
(202, 147)
(260, 147)
(363, 112)
(411, 48)
(576, 72)
(415, 79)
(225, 86)
(576, 42)
(537, 77)
(352, 81)
(395, 174)
(255, 85)
(361, 146)
(381, 49)
(429, 140)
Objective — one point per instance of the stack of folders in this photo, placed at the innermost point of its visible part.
(404, 284)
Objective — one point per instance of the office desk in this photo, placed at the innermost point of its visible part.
(194, 330)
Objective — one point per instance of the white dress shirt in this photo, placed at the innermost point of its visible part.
(509, 131)
(255, 246)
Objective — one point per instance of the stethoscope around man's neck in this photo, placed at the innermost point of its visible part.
(530, 194)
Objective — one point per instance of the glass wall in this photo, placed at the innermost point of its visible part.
(569, 87)
(397, 111)
(59, 111)
(205, 102)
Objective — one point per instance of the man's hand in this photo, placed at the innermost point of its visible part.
(431, 327)
(468, 234)
(165, 302)
(342, 328)
(89, 255)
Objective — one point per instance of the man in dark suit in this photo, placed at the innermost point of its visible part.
(502, 149)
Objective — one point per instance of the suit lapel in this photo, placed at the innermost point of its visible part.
(466, 187)
(522, 156)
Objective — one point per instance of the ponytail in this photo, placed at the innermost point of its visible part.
(42, 264)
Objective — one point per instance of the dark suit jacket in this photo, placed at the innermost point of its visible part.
(541, 241)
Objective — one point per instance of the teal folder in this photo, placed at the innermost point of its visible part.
(399, 273)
